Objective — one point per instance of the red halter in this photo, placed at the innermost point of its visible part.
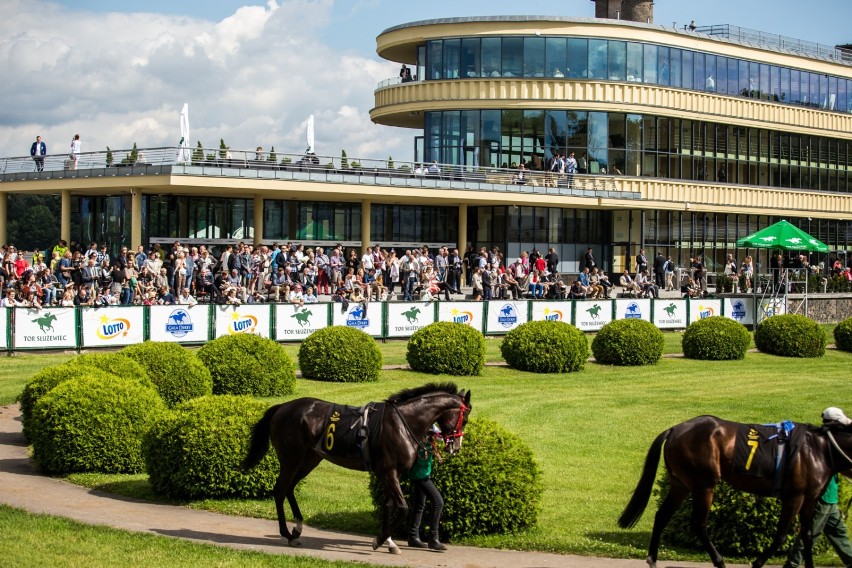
(458, 432)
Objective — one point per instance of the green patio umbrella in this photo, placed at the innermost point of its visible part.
(783, 235)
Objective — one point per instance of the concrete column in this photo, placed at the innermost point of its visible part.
(65, 216)
(462, 236)
(365, 225)
(4, 224)
(135, 219)
(258, 219)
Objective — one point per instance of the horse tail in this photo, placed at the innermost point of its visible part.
(636, 506)
(259, 439)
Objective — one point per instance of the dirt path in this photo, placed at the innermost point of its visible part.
(24, 488)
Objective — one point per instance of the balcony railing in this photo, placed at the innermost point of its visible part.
(775, 41)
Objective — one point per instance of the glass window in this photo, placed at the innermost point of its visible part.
(710, 76)
(774, 84)
(795, 86)
(513, 56)
(813, 91)
(434, 58)
(832, 93)
(555, 50)
(469, 129)
(764, 82)
(663, 69)
(743, 79)
(470, 57)
(823, 91)
(533, 139)
(555, 133)
(511, 138)
(533, 57)
(598, 137)
(617, 60)
(841, 96)
(698, 77)
(598, 58)
(650, 63)
(733, 77)
(577, 132)
(753, 79)
(721, 75)
(686, 74)
(490, 145)
(452, 51)
(634, 62)
(675, 67)
(491, 57)
(421, 63)
(784, 85)
(578, 58)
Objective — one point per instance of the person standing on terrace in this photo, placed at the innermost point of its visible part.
(38, 151)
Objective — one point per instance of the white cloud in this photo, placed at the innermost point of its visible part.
(252, 79)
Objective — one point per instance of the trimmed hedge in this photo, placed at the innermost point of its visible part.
(446, 348)
(716, 338)
(176, 372)
(115, 364)
(196, 451)
(492, 486)
(93, 423)
(545, 347)
(628, 342)
(248, 364)
(790, 335)
(340, 354)
(843, 335)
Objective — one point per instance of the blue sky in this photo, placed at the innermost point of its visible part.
(119, 72)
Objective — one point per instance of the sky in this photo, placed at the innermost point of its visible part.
(118, 72)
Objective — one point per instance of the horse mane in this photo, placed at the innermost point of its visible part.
(408, 394)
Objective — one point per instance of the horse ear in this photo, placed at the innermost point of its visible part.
(467, 398)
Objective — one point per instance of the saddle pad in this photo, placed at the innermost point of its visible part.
(766, 450)
(344, 434)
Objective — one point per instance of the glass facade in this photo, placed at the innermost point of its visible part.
(640, 145)
(618, 60)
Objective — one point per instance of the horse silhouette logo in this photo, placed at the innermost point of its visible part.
(411, 314)
(595, 311)
(508, 316)
(633, 311)
(302, 317)
(670, 309)
(357, 317)
(739, 310)
(45, 322)
(179, 323)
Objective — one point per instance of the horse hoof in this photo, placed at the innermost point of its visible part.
(394, 550)
(296, 534)
(295, 543)
(376, 543)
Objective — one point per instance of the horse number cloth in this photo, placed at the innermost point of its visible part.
(352, 432)
(767, 450)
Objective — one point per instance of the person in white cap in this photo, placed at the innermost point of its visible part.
(827, 517)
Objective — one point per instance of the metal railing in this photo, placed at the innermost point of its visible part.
(775, 41)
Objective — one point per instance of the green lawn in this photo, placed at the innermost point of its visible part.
(588, 430)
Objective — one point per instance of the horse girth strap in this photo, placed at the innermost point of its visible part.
(839, 450)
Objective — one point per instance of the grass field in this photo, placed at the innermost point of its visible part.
(588, 430)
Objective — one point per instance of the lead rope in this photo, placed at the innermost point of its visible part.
(845, 511)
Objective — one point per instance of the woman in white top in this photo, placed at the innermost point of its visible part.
(76, 146)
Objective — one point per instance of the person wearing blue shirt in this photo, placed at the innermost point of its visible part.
(38, 151)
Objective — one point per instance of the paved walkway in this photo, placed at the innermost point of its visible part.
(24, 488)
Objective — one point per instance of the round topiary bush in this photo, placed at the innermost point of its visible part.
(176, 372)
(843, 335)
(545, 347)
(790, 335)
(116, 364)
(248, 364)
(196, 451)
(447, 348)
(628, 342)
(491, 486)
(45, 380)
(340, 354)
(716, 338)
(93, 423)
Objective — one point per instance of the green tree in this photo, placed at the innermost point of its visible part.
(344, 161)
(272, 157)
(33, 221)
(223, 150)
(390, 162)
(109, 158)
(198, 153)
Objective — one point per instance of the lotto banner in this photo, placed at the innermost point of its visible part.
(505, 315)
(468, 313)
(702, 308)
(404, 318)
(45, 329)
(248, 318)
(740, 310)
(669, 314)
(639, 308)
(109, 326)
(180, 324)
(366, 318)
(591, 315)
(295, 323)
(551, 311)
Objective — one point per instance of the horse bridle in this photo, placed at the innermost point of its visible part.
(449, 439)
(839, 450)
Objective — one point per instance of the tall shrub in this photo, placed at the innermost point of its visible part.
(248, 364)
(628, 342)
(340, 354)
(447, 348)
(545, 347)
(716, 338)
(176, 372)
(790, 335)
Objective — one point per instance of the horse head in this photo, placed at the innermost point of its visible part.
(453, 421)
(840, 447)
(441, 404)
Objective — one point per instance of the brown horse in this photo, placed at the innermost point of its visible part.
(306, 431)
(700, 452)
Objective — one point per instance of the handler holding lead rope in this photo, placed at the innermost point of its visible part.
(420, 475)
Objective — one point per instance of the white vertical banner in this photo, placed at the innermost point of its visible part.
(769, 307)
(552, 311)
(180, 324)
(294, 323)
(4, 327)
(505, 315)
(669, 314)
(591, 315)
(703, 308)
(112, 325)
(367, 318)
(405, 318)
(740, 310)
(637, 308)
(468, 313)
(45, 329)
(248, 318)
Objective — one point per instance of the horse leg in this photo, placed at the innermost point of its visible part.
(395, 509)
(701, 501)
(278, 493)
(677, 493)
(307, 467)
(789, 508)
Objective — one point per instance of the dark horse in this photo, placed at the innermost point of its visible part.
(700, 452)
(301, 431)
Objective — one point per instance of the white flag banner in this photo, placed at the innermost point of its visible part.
(45, 329)
(180, 324)
(405, 318)
(591, 315)
(295, 323)
(113, 325)
(248, 318)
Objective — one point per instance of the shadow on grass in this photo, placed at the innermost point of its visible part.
(345, 521)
